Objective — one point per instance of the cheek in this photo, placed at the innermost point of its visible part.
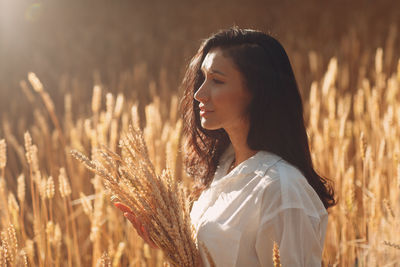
(229, 99)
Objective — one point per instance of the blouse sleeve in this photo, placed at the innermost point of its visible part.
(293, 230)
(289, 217)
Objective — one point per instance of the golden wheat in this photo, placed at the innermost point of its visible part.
(69, 221)
(158, 200)
(276, 256)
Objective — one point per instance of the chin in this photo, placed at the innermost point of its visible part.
(210, 126)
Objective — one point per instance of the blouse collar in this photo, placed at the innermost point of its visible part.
(258, 164)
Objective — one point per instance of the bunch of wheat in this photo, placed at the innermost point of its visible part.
(158, 200)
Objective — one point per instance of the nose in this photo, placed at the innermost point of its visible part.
(202, 94)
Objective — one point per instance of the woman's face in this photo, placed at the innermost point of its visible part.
(223, 97)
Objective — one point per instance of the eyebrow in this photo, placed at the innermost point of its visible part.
(215, 71)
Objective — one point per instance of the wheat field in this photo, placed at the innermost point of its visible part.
(57, 213)
(54, 212)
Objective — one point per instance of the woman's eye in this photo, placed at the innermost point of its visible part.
(217, 81)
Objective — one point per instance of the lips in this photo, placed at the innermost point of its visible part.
(204, 109)
(204, 112)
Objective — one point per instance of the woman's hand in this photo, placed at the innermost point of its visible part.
(140, 228)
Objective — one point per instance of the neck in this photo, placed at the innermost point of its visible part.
(238, 137)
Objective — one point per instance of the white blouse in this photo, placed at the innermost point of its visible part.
(263, 199)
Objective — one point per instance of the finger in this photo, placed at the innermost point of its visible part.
(147, 238)
(136, 223)
(131, 218)
(138, 226)
(145, 234)
(142, 230)
(122, 207)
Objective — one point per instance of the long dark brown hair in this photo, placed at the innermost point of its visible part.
(275, 112)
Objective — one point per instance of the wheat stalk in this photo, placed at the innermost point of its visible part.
(158, 200)
(276, 256)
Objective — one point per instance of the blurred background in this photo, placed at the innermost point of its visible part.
(103, 64)
(71, 45)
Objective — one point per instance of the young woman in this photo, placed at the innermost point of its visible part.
(246, 145)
